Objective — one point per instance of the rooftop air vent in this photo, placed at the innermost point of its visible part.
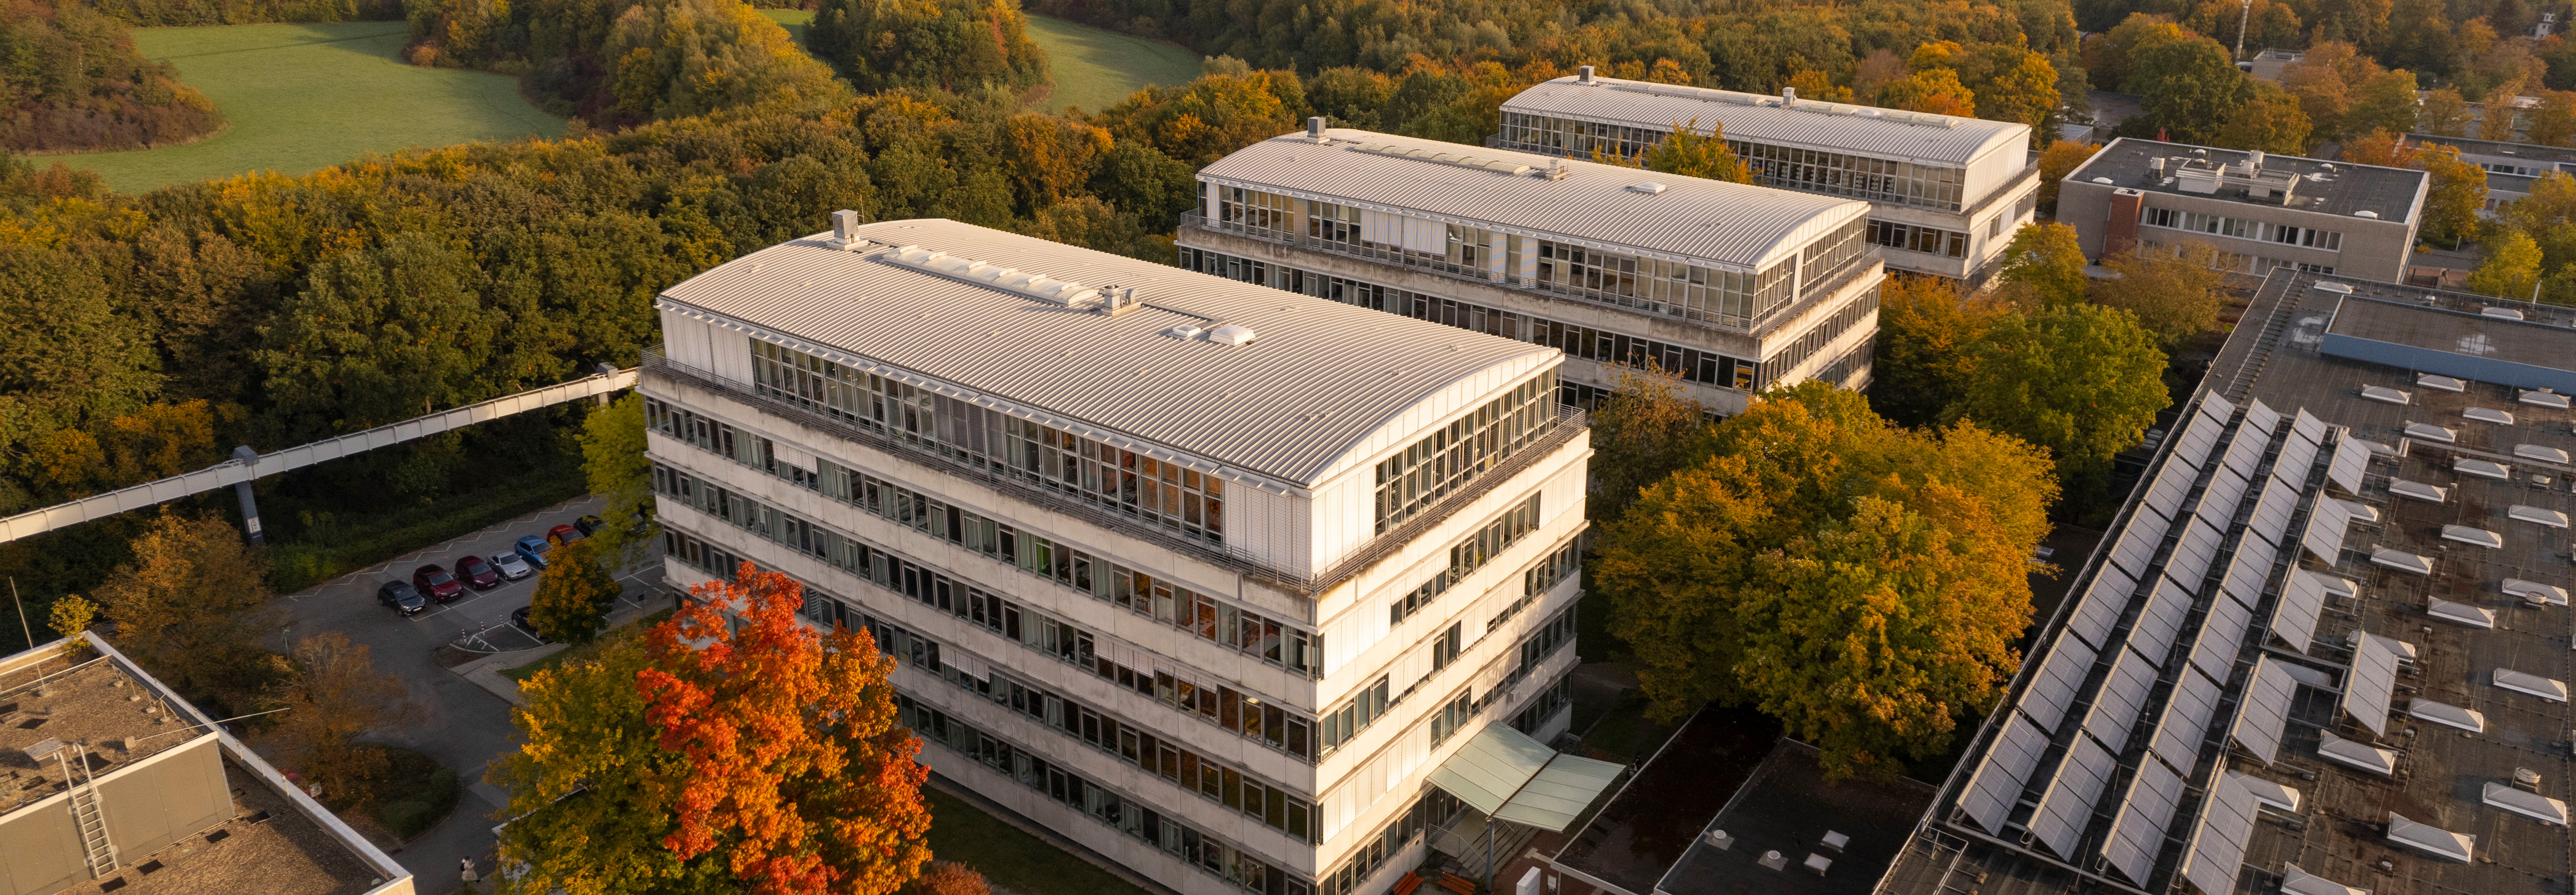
(845, 230)
(2334, 287)
(1788, 95)
(2501, 313)
(1231, 334)
(1583, 74)
(1650, 188)
(2366, 213)
(2105, 181)
(1038, 286)
(1315, 128)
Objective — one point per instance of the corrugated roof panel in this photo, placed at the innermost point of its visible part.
(2122, 700)
(2053, 687)
(2066, 807)
(2306, 427)
(2264, 710)
(2262, 418)
(2201, 435)
(2099, 611)
(2351, 459)
(2186, 719)
(1730, 224)
(2138, 831)
(1283, 405)
(1999, 779)
(2161, 620)
(2298, 457)
(2249, 569)
(2217, 851)
(2368, 686)
(1752, 116)
(2294, 618)
(2245, 451)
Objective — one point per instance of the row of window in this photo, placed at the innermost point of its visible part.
(1280, 646)
(1823, 334)
(1200, 695)
(1541, 577)
(2241, 228)
(1915, 238)
(2257, 265)
(1731, 298)
(1436, 806)
(1418, 476)
(1809, 170)
(1156, 492)
(1070, 789)
(1176, 763)
(1466, 557)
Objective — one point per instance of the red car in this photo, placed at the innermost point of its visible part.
(562, 535)
(434, 583)
(477, 572)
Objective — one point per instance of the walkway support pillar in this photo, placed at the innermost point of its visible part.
(249, 504)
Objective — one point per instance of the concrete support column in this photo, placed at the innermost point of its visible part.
(249, 504)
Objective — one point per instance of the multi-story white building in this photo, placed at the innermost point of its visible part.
(1734, 288)
(1207, 577)
(1946, 192)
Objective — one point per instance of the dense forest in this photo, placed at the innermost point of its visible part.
(73, 82)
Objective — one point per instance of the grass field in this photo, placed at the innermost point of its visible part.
(1094, 69)
(1011, 859)
(304, 97)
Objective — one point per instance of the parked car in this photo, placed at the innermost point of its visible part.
(511, 566)
(477, 573)
(401, 597)
(562, 534)
(586, 525)
(532, 549)
(519, 617)
(434, 581)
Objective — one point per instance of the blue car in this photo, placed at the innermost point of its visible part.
(533, 549)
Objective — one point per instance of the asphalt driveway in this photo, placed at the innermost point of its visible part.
(463, 725)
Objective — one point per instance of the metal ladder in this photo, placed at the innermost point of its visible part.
(87, 812)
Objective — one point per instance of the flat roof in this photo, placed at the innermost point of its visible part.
(2337, 188)
(2541, 156)
(2225, 827)
(2532, 352)
(1730, 224)
(268, 847)
(1840, 127)
(1788, 807)
(1317, 380)
(1652, 820)
(89, 704)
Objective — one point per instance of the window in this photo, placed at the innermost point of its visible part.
(1445, 647)
(1254, 209)
(1913, 238)
(1452, 714)
(1420, 474)
(1341, 724)
(1731, 298)
(2239, 228)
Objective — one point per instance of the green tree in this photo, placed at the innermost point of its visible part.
(592, 790)
(2045, 259)
(573, 595)
(2443, 114)
(1689, 153)
(191, 607)
(381, 335)
(1643, 431)
(1860, 581)
(2084, 382)
(2553, 122)
(2385, 102)
(2457, 193)
(2268, 120)
(2176, 296)
(612, 459)
(2188, 84)
(1926, 326)
(2511, 266)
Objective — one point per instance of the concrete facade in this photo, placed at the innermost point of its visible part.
(2375, 212)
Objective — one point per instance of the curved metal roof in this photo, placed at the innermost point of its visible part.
(1315, 381)
(1731, 224)
(1805, 123)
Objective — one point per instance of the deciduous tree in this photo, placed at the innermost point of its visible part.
(2443, 114)
(2058, 160)
(2457, 193)
(2045, 259)
(2553, 122)
(1937, 91)
(612, 460)
(190, 608)
(2173, 294)
(1643, 431)
(2385, 102)
(70, 616)
(334, 697)
(592, 791)
(1859, 581)
(573, 595)
(798, 771)
(2511, 266)
(2082, 381)
(2188, 83)
(1925, 329)
(1689, 153)
(949, 878)
(2268, 120)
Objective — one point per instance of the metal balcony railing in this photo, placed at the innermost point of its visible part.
(1568, 422)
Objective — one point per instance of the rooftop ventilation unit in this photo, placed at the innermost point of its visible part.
(1583, 74)
(845, 230)
(2384, 395)
(1315, 129)
(2545, 398)
(2485, 469)
(2537, 515)
(2439, 382)
(1231, 334)
(2431, 840)
(2330, 286)
(2201, 176)
(2541, 452)
(2501, 313)
(1650, 188)
(2366, 213)
(1037, 286)
(1498, 166)
(2488, 415)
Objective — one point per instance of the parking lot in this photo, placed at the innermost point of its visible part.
(463, 725)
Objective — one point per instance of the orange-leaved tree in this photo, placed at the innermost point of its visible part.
(797, 768)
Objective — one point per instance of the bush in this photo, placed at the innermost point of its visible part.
(416, 793)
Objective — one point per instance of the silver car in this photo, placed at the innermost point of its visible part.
(511, 566)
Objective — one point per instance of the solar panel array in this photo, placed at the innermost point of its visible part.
(2095, 759)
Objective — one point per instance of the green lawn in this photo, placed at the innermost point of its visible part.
(796, 21)
(1095, 69)
(304, 97)
(1011, 859)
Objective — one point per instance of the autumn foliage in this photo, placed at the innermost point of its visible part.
(797, 769)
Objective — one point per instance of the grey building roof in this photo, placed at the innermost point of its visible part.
(1317, 378)
(2340, 188)
(1731, 224)
(1947, 140)
(2530, 154)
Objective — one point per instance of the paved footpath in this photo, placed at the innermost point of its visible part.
(464, 725)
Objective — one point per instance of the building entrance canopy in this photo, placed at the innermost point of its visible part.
(1505, 774)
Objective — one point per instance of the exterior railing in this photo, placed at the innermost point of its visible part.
(1553, 433)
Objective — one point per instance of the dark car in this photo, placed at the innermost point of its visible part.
(587, 525)
(433, 580)
(533, 550)
(478, 573)
(402, 597)
(519, 617)
(562, 534)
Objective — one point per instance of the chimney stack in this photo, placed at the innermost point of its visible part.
(1315, 128)
(1788, 96)
(1583, 74)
